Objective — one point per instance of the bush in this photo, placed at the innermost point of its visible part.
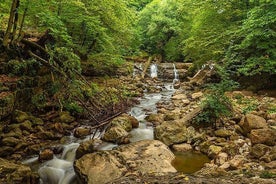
(216, 105)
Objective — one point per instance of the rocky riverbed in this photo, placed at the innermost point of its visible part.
(241, 148)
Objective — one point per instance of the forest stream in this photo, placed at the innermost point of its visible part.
(60, 169)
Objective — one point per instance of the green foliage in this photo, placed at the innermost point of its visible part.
(20, 68)
(162, 27)
(73, 107)
(253, 50)
(216, 105)
(267, 174)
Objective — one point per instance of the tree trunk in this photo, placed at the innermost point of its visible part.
(10, 23)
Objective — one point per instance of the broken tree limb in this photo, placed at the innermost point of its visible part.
(146, 67)
(46, 63)
(34, 45)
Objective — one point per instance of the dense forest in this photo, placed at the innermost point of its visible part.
(67, 60)
(238, 34)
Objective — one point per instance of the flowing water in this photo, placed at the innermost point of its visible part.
(60, 169)
(153, 70)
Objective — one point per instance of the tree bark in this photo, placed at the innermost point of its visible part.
(10, 23)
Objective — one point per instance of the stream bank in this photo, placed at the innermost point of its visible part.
(232, 149)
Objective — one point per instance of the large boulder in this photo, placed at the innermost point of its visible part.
(16, 173)
(145, 157)
(173, 132)
(250, 122)
(263, 136)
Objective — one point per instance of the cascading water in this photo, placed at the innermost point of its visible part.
(176, 77)
(60, 169)
(153, 71)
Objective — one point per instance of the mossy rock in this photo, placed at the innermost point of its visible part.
(20, 116)
(65, 117)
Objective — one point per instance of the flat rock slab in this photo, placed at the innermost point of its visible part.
(143, 157)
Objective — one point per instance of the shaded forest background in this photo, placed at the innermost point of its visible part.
(70, 36)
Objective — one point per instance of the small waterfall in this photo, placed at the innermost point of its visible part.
(176, 75)
(153, 71)
(60, 170)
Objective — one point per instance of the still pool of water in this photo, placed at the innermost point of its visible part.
(189, 162)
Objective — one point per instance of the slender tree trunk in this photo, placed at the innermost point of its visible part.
(10, 23)
(20, 35)
(15, 21)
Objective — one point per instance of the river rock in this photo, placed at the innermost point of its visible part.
(171, 116)
(179, 97)
(6, 150)
(10, 141)
(26, 125)
(197, 95)
(221, 158)
(182, 147)
(65, 117)
(259, 150)
(172, 132)
(155, 119)
(82, 132)
(87, 147)
(146, 156)
(46, 154)
(263, 136)
(116, 134)
(16, 173)
(125, 121)
(223, 133)
(214, 150)
(250, 122)
(237, 161)
(20, 116)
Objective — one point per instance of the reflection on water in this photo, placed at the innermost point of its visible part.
(189, 162)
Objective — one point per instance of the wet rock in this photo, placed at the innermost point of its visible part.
(115, 134)
(182, 147)
(263, 136)
(251, 122)
(82, 132)
(46, 154)
(223, 133)
(87, 147)
(16, 173)
(259, 150)
(144, 156)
